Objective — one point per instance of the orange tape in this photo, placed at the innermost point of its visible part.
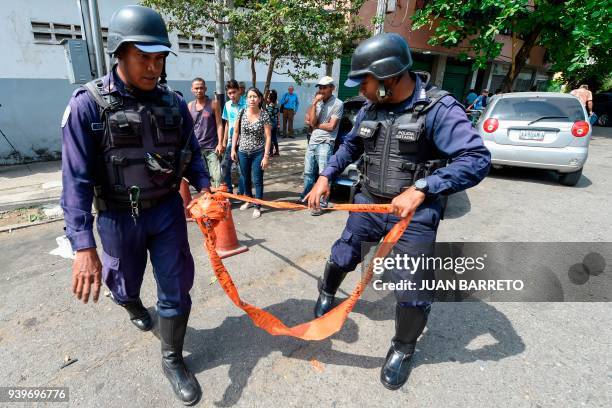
(208, 210)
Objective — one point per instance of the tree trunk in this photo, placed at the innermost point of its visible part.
(228, 35)
(253, 71)
(269, 74)
(521, 59)
(329, 65)
(219, 75)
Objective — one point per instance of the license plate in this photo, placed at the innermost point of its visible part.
(531, 135)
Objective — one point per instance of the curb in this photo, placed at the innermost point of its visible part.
(11, 228)
(26, 204)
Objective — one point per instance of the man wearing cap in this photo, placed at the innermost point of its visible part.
(127, 142)
(289, 106)
(323, 116)
(406, 133)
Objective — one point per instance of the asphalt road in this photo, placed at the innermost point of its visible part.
(477, 354)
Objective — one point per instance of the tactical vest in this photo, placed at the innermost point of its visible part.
(396, 149)
(142, 149)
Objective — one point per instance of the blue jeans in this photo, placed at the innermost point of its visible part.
(226, 171)
(315, 161)
(251, 172)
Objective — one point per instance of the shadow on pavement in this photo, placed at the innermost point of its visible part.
(535, 176)
(241, 345)
(259, 242)
(453, 326)
(601, 133)
(451, 329)
(458, 205)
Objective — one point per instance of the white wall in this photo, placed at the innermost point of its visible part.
(34, 87)
(25, 59)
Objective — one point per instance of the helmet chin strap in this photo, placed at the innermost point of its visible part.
(162, 77)
(384, 92)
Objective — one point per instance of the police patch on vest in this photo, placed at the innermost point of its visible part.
(365, 132)
(66, 116)
(407, 135)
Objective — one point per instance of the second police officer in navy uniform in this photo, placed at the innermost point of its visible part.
(407, 132)
(127, 142)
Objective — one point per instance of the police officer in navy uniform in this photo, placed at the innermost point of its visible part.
(127, 142)
(418, 146)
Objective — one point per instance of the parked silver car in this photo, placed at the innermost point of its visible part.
(542, 130)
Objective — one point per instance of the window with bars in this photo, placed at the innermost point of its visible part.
(196, 43)
(54, 33)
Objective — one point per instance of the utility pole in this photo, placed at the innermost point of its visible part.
(87, 34)
(219, 78)
(90, 26)
(228, 35)
(381, 13)
(97, 37)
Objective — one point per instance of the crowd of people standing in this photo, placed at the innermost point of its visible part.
(243, 134)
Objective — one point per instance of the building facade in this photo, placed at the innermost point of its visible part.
(447, 71)
(34, 85)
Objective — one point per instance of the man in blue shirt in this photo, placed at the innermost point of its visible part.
(471, 97)
(231, 109)
(289, 106)
(407, 132)
(480, 103)
(127, 141)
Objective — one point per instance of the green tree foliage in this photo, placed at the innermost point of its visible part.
(290, 36)
(576, 33)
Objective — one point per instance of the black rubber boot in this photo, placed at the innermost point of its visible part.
(332, 278)
(409, 324)
(172, 333)
(139, 315)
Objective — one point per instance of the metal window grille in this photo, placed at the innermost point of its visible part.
(54, 33)
(196, 43)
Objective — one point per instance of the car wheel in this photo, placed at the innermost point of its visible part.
(603, 120)
(570, 179)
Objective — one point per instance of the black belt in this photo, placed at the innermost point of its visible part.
(376, 199)
(106, 205)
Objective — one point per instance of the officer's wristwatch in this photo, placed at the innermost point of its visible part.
(421, 185)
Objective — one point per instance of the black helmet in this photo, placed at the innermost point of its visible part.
(140, 25)
(384, 56)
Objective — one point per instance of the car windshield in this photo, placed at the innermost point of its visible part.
(541, 109)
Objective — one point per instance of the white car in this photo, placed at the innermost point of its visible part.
(543, 130)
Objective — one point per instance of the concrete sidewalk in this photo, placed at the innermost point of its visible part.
(29, 185)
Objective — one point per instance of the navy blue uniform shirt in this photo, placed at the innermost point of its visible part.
(448, 130)
(80, 147)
